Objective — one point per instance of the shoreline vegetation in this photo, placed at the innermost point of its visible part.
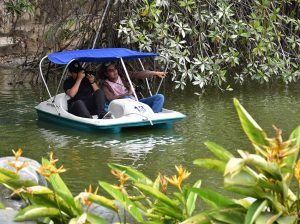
(259, 178)
(206, 43)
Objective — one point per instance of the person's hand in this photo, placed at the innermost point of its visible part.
(91, 78)
(81, 75)
(161, 74)
(130, 92)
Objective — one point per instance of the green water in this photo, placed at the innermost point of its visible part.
(85, 155)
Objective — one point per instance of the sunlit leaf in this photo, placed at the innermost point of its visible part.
(255, 210)
(211, 164)
(158, 195)
(124, 200)
(192, 197)
(219, 151)
(251, 128)
(33, 212)
(212, 198)
(132, 173)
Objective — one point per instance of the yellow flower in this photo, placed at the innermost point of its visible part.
(182, 175)
(52, 161)
(87, 193)
(123, 177)
(17, 165)
(18, 153)
(175, 181)
(278, 149)
(297, 172)
(48, 170)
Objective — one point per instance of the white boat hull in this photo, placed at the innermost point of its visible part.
(54, 110)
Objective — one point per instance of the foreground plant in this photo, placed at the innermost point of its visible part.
(263, 177)
(55, 204)
(150, 200)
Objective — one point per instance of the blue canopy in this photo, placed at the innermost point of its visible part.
(97, 55)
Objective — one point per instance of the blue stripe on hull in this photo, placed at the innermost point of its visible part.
(91, 128)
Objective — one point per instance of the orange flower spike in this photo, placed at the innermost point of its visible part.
(297, 172)
(85, 199)
(175, 181)
(18, 153)
(123, 177)
(182, 173)
(52, 161)
(19, 167)
(15, 165)
(164, 183)
(185, 175)
(61, 169)
(44, 172)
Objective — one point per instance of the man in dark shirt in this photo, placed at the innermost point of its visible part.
(86, 97)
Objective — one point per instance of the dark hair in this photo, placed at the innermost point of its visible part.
(75, 67)
(102, 71)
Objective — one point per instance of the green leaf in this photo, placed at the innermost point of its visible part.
(158, 195)
(104, 202)
(255, 210)
(61, 189)
(33, 212)
(212, 198)
(231, 215)
(132, 173)
(201, 218)
(88, 218)
(124, 200)
(68, 202)
(7, 175)
(167, 211)
(219, 151)
(287, 220)
(35, 190)
(95, 219)
(243, 183)
(1, 205)
(251, 128)
(192, 197)
(211, 164)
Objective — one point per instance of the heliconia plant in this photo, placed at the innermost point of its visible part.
(262, 176)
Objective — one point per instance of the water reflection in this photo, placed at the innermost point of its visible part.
(129, 144)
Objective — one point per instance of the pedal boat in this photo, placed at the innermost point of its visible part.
(121, 114)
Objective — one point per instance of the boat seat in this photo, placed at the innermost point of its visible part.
(64, 101)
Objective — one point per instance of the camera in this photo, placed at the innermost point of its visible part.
(87, 72)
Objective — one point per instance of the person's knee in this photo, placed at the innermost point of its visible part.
(78, 104)
(161, 97)
(99, 92)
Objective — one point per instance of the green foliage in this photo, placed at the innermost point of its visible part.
(212, 42)
(18, 7)
(265, 176)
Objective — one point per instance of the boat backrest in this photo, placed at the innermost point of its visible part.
(61, 100)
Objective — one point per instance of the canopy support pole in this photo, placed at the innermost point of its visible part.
(42, 76)
(129, 80)
(147, 82)
(167, 65)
